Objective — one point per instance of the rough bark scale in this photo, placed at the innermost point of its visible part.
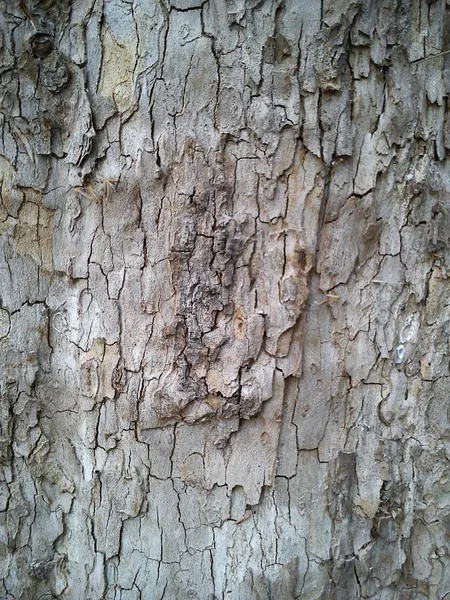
(224, 318)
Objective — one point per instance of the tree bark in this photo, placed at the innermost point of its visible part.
(224, 319)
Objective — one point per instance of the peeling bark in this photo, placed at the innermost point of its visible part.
(224, 318)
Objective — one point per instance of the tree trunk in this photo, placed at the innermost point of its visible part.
(224, 321)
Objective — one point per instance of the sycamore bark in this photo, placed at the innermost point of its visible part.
(224, 316)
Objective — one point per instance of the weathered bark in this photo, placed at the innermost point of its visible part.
(224, 317)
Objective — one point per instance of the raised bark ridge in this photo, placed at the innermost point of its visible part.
(224, 318)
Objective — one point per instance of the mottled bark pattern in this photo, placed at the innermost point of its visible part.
(224, 317)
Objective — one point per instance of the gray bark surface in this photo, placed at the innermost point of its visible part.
(224, 316)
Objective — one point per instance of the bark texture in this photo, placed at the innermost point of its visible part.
(224, 322)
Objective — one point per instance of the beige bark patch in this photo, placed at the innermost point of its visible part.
(117, 70)
(239, 324)
(33, 234)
